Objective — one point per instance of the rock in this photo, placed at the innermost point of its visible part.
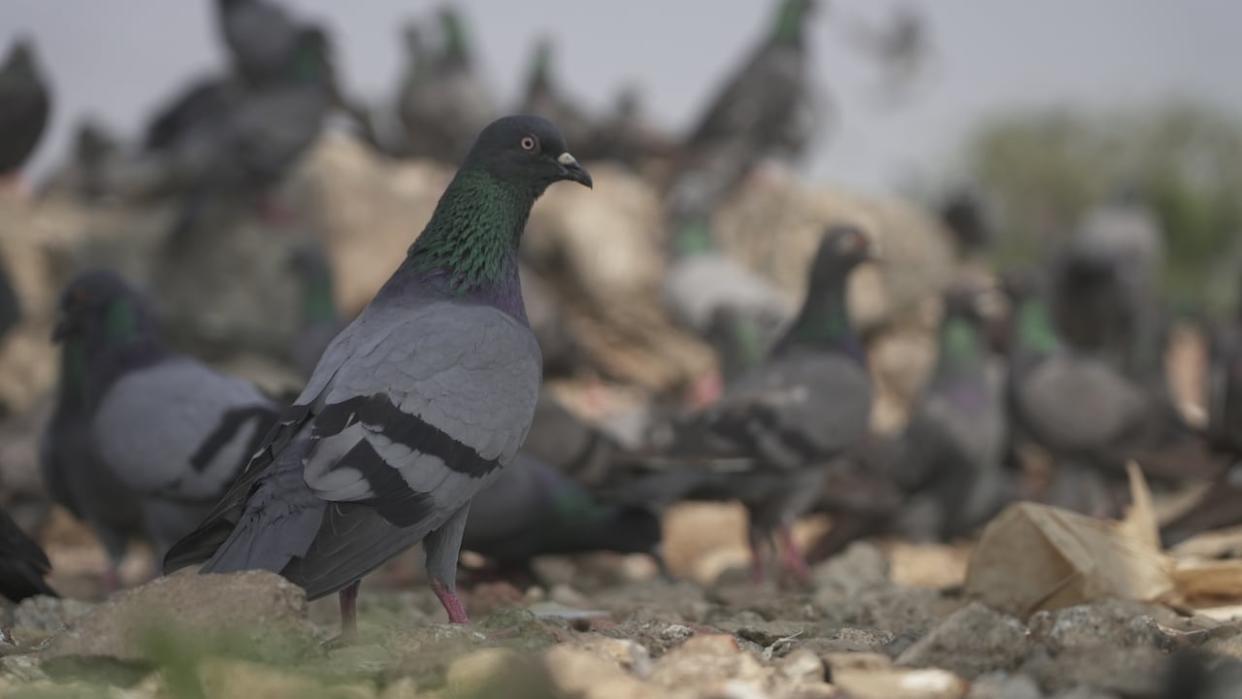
(873, 676)
(224, 679)
(1000, 685)
(860, 567)
(714, 665)
(499, 672)
(903, 611)
(49, 614)
(261, 607)
(850, 640)
(972, 641)
(23, 668)
(1135, 671)
(1114, 622)
(628, 655)
(578, 672)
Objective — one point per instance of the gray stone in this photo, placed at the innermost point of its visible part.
(1000, 685)
(1114, 622)
(1137, 671)
(49, 614)
(23, 668)
(850, 640)
(860, 567)
(255, 607)
(972, 641)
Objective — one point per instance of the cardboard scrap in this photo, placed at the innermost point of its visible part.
(1034, 557)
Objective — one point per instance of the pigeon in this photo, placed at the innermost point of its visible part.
(560, 439)
(23, 564)
(25, 105)
(768, 440)
(137, 426)
(414, 408)
(955, 441)
(533, 509)
(238, 144)
(259, 36)
(763, 110)
(442, 101)
(1105, 288)
(1078, 407)
(545, 97)
(321, 320)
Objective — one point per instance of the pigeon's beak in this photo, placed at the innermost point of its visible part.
(572, 170)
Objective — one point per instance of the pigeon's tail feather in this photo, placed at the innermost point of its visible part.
(269, 535)
(21, 579)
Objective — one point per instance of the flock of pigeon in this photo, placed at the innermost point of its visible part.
(422, 420)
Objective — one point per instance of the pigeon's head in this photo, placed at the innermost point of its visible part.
(99, 308)
(526, 150)
(791, 17)
(842, 248)
(22, 56)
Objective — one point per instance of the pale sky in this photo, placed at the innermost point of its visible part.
(118, 59)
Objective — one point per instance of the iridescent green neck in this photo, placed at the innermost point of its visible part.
(455, 47)
(789, 22)
(72, 372)
(960, 344)
(693, 238)
(475, 228)
(824, 319)
(121, 322)
(1035, 330)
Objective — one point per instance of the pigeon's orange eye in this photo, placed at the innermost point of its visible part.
(529, 143)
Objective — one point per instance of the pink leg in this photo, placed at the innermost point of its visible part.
(349, 610)
(452, 603)
(111, 579)
(791, 556)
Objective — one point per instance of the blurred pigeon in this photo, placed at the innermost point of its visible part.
(25, 105)
(533, 510)
(321, 321)
(1105, 288)
(624, 135)
(259, 35)
(75, 477)
(1077, 407)
(562, 440)
(204, 101)
(955, 441)
(414, 408)
(769, 438)
(170, 431)
(23, 564)
(545, 97)
(763, 110)
(238, 144)
(443, 102)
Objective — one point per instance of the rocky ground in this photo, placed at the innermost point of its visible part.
(883, 620)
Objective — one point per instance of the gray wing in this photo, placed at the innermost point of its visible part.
(806, 407)
(1075, 404)
(759, 102)
(179, 430)
(409, 414)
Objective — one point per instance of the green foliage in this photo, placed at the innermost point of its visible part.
(1043, 170)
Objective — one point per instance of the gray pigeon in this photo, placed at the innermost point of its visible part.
(769, 438)
(138, 427)
(225, 143)
(23, 564)
(25, 105)
(533, 510)
(954, 444)
(414, 408)
(763, 110)
(259, 36)
(443, 102)
(1106, 288)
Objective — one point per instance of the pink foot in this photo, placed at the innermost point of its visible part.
(705, 390)
(111, 580)
(452, 603)
(791, 557)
